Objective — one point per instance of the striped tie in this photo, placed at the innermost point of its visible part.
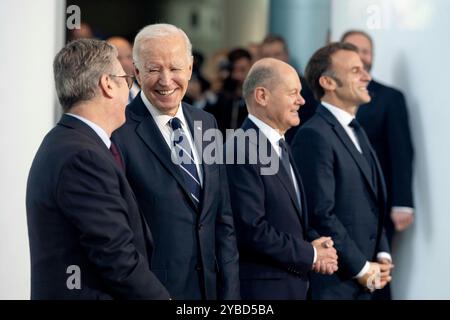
(186, 161)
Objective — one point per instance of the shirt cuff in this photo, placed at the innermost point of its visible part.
(384, 255)
(405, 210)
(363, 271)
(315, 255)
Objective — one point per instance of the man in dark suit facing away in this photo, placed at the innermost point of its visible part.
(267, 198)
(186, 203)
(87, 236)
(343, 182)
(385, 120)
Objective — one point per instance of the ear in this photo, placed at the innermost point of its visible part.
(261, 95)
(106, 85)
(327, 83)
(191, 66)
(137, 73)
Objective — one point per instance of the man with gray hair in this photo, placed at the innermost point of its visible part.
(186, 203)
(87, 237)
(270, 209)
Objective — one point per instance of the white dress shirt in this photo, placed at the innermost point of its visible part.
(344, 118)
(162, 121)
(98, 130)
(274, 137)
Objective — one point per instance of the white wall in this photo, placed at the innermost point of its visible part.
(304, 24)
(28, 30)
(412, 51)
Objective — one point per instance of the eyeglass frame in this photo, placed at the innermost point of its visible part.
(126, 76)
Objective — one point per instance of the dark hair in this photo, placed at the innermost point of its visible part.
(320, 63)
(359, 32)
(236, 54)
(272, 38)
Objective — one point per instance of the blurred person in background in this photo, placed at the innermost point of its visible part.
(230, 110)
(125, 57)
(385, 120)
(275, 46)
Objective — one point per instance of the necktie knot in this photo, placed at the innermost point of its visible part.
(355, 124)
(175, 123)
(283, 146)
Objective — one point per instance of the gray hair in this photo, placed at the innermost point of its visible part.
(157, 31)
(259, 75)
(77, 69)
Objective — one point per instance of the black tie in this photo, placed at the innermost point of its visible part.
(285, 155)
(287, 165)
(187, 164)
(365, 147)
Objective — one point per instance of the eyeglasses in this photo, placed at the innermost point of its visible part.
(128, 78)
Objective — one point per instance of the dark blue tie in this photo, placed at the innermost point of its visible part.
(365, 147)
(185, 159)
(287, 165)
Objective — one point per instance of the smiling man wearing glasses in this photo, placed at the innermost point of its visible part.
(87, 237)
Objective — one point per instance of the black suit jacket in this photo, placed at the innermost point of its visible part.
(195, 253)
(342, 201)
(81, 211)
(385, 120)
(271, 226)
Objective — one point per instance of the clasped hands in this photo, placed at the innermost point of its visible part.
(378, 275)
(327, 259)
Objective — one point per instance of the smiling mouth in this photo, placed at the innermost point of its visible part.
(165, 92)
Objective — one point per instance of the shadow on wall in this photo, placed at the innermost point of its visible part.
(404, 247)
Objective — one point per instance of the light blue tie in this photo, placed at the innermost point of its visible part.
(187, 164)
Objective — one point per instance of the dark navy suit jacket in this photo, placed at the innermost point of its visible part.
(82, 212)
(343, 201)
(195, 253)
(275, 259)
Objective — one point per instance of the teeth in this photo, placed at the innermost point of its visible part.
(165, 92)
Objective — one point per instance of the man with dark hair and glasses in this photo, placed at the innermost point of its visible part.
(87, 237)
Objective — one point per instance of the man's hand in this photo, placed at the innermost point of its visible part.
(385, 268)
(401, 219)
(326, 262)
(372, 278)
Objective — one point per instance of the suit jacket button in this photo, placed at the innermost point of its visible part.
(200, 226)
(198, 268)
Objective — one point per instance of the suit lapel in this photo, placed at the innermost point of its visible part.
(282, 173)
(303, 208)
(149, 132)
(349, 145)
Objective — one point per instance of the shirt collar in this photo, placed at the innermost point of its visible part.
(160, 118)
(343, 117)
(98, 130)
(272, 135)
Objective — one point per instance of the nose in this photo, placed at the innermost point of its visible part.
(165, 78)
(366, 76)
(300, 101)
